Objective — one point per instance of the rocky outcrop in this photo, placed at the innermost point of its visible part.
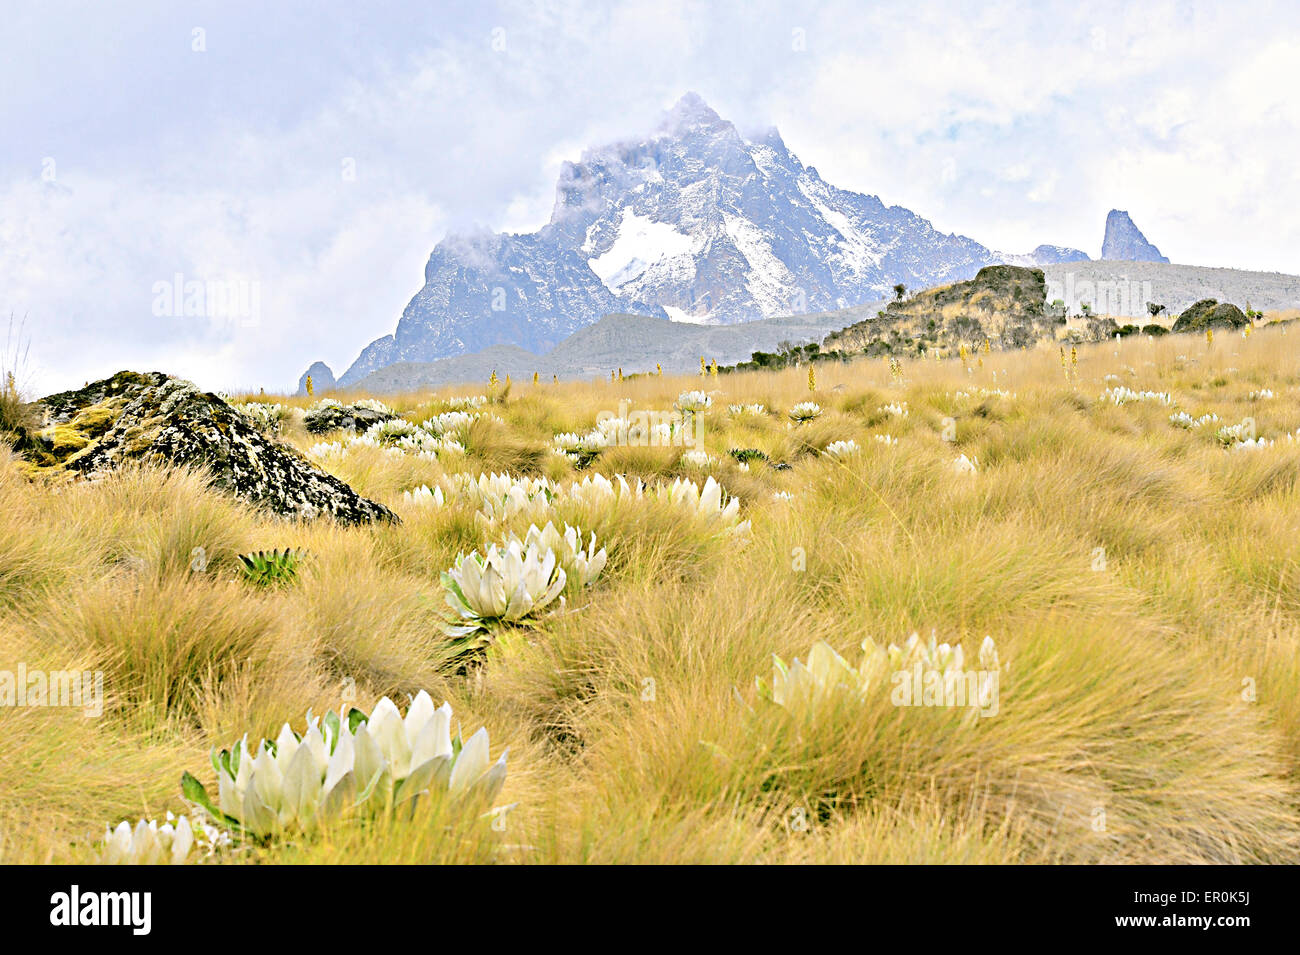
(155, 418)
(1003, 304)
(1210, 313)
(1125, 242)
(322, 379)
(343, 418)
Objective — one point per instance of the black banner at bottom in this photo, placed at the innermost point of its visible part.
(980, 904)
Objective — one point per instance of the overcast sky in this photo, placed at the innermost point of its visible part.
(320, 149)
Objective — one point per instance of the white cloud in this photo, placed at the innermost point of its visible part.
(88, 255)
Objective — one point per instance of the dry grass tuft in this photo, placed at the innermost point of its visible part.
(1142, 585)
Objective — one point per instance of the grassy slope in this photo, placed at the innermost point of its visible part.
(1123, 699)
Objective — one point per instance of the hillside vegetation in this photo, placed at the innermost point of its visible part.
(1122, 523)
(1003, 304)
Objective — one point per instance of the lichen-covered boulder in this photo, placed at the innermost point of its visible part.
(1209, 313)
(157, 418)
(344, 418)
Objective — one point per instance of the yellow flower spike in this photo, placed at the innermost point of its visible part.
(812, 378)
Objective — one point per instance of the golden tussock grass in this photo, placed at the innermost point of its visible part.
(1142, 585)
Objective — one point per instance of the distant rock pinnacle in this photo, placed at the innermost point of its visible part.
(1125, 242)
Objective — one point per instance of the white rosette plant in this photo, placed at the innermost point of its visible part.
(805, 411)
(581, 563)
(692, 402)
(340, 765)
(505, 585)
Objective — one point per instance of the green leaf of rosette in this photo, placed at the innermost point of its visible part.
(330, 725)
(355, 719)
(195, 792)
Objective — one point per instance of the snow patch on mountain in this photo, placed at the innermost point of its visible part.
(640, 242)
(1042, 256)
(681, 315)
(855, 249)
(768, 280)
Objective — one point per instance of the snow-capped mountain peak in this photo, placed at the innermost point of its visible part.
(696, 223)
(691, 116)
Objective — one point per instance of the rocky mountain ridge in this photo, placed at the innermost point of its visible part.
(695, 223)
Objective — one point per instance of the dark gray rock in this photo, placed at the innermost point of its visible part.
(155, 418)
(343, 418)
(1209, 313)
